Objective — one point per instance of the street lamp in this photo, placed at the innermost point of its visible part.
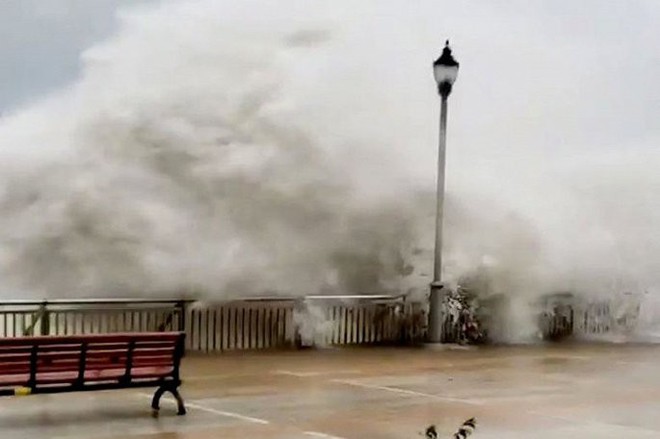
(445, 71)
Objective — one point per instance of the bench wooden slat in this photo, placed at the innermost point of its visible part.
(93, 347)
(138, 353)
(146, 337)
(18, 358)
(56, 377)
(14, 370)
(19, 379)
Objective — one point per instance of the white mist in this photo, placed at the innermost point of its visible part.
(255, 148)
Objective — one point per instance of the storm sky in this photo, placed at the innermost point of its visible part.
(569, 76)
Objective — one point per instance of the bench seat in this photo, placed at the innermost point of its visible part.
(93, 362)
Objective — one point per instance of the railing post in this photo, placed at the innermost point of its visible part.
(181, 305)
(297, 312)
(45, 318)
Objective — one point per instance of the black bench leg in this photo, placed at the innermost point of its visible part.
(179, 401)
(155, 402)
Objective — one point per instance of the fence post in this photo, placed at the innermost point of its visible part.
(45, 318)
(181, 305)
(296, 315)
(417, 327)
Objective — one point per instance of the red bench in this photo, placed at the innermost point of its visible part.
(93, 362)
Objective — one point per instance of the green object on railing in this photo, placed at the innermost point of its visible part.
(40, 315)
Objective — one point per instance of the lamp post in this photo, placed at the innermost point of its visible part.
(445, 71)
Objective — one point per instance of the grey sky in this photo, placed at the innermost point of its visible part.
(41, 41)
(566, 73)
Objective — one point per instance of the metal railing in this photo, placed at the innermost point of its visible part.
(560, 315)
(265, 323)
(594, 319)
(277, 322)
(260, 323)
(95, 316)
(245, 324)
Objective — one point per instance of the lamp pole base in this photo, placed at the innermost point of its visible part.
(436, 314)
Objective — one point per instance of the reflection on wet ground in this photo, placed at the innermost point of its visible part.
(590, 391)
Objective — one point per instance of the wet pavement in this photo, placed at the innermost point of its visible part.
(559, 391)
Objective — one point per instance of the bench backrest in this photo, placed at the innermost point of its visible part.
(85, 353)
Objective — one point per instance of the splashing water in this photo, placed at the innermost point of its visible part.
(178, 165)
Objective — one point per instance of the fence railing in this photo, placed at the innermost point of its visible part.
(314, 320)
(276, 322)
(246, 324)
(260, 323)
(70, 317)
(592, 318)
(559, 316)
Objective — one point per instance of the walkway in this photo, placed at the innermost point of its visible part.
(528, 392)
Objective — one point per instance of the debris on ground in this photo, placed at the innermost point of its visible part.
(465, 430)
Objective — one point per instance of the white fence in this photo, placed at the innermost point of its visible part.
(261, 323)
(276, 322)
